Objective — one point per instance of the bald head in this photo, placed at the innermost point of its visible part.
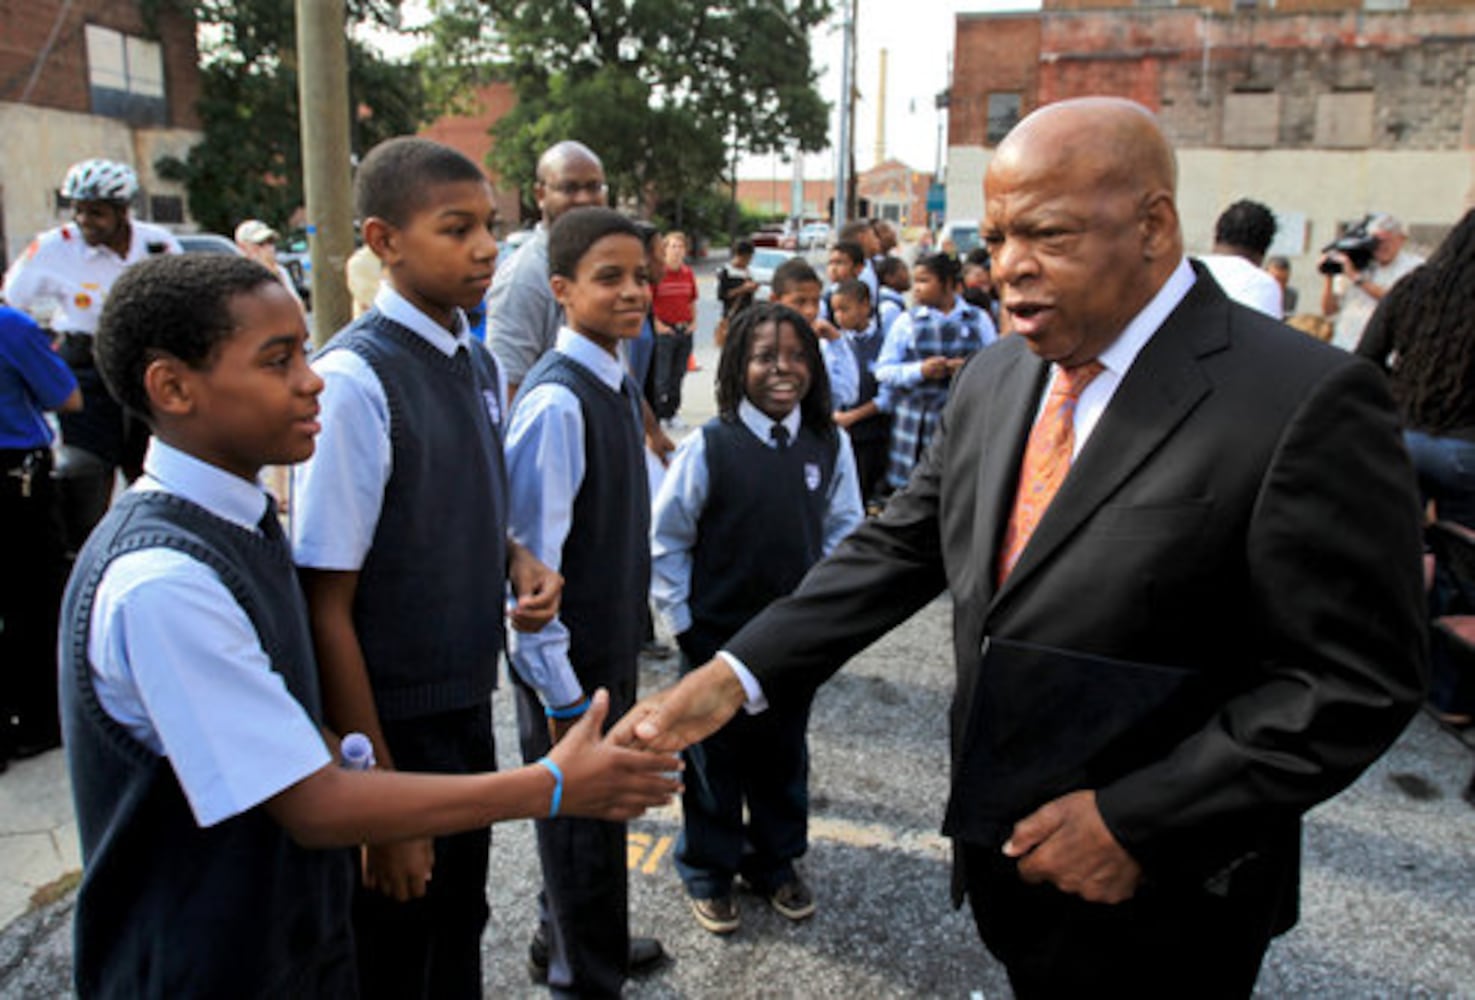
(1083, 223)
(569, 176)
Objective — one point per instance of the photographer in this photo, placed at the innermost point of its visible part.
(1351, 292)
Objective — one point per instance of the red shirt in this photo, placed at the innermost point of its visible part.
(674, 297)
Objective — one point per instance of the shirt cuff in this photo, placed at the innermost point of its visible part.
(752, 690)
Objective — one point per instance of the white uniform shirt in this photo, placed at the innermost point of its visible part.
(338, 493)
(1243, 282)
(177, 662)
(1357, 305)
(61, 267)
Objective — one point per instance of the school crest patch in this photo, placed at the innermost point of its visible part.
(811, 475)
(82, 300)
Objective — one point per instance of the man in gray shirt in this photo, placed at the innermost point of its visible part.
(522, 316)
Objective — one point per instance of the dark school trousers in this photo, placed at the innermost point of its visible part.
(673, 350)
(1164, 942)
(759, 760)
(585, 903)
(431, 947)
(30, 597)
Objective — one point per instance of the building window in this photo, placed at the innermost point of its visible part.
(166, 208)
(125, 76)
(1251, 120)
(1344, 120)
(1003, 114)
(1385, 4)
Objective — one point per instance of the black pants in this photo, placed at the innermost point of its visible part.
(761, 762)
(431, 947)
(30, 597)
(1161, 943)
(673, 350)
(585, 903)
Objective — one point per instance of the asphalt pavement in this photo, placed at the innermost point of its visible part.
(1388, 902)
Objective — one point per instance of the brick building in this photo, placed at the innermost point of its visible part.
(470, 132)
(1322, 109)
(893, 191)
(91, 78)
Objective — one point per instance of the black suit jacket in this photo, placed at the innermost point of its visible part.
(1244, 509)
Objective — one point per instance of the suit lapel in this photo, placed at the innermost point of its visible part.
(1163, 386)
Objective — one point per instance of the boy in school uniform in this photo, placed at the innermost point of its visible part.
(399, 529)
(796, 285)
(581, 504)
(205, 789)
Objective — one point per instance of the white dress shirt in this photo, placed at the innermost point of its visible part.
(60, 266)
(177, 662)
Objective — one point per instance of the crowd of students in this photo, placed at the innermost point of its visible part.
(446, 513)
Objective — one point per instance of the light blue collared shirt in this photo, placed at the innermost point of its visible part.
(892, 368)
(843, 373)
(683, 496)
(1116, 361)
(338, 493)
(177, 662)
(545, 468)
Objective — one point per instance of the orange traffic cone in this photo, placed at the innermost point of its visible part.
(691, 363)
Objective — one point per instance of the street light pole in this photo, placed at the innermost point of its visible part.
(847, 98)
(322, 85)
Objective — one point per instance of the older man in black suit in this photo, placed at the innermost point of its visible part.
(1182, 544)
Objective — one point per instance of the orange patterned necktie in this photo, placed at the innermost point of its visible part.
(1046, 461)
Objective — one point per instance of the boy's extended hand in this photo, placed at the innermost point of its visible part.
(602, 780)
(536, 587)
(400, 870)
(687, 713)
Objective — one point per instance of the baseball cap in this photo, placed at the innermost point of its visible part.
(255, 231)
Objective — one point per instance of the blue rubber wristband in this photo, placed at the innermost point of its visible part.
(557, 773)
(572, 712)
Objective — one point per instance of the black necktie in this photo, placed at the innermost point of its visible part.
(780, 435)
(270, 524)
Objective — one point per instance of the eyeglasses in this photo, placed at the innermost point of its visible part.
(570, 188)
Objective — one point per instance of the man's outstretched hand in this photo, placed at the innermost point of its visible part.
(674, 719)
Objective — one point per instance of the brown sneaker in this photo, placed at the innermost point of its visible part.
(793, 900)
(720, 915)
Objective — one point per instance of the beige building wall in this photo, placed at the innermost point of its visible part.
(41, 143)
(1313, 192)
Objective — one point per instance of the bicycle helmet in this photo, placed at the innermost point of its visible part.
(100, 180)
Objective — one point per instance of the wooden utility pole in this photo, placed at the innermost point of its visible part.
(322, 87)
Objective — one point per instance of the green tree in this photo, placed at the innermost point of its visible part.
(668, 92)
(249, 163)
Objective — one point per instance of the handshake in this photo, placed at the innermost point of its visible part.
(634, 767)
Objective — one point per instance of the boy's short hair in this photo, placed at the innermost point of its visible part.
(887, 266)
(171, 304)
(978, 257)
(578, 229)
(743, 248)
(794, 271)
(852, 231)
(851, 249)
(395, 178)
(854, 289)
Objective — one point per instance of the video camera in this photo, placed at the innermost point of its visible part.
(1357, 243)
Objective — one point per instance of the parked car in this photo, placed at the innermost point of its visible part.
(208, 243)
(768, 236)
(765, 261)
(965, 236)
(292, 254)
